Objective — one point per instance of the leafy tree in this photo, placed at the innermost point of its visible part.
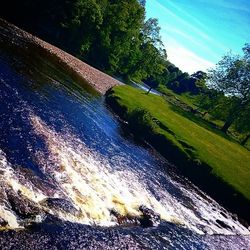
(200, 78)
(82, 24)
(111, 35)
(152, 83)
(181, 82)
(242, 124)
(150, 61)
(199, 75)
(118, 37)
(151, 33)
(231, 76)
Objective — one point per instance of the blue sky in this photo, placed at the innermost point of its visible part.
(197, 33)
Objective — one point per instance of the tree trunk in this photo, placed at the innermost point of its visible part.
(149, 90)
(204, 113)
(239, 107)
(228, 123)
(244, 141)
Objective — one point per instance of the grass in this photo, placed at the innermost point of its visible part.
(188, 101)
(227, 159)
(185, 98)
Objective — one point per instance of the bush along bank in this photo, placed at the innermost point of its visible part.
(137, 109)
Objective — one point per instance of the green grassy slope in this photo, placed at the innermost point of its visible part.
(228, 160)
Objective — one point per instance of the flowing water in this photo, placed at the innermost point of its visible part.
(64, 154)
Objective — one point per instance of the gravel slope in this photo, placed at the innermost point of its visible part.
(14, 36)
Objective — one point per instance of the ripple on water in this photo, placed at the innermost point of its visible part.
(64, 157)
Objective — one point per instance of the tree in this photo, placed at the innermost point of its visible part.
(152, 83)
(200, 78)
(242, 124)
(117, 43)
(82, 24)
(150, 61)
(151, 32)
(231, 76)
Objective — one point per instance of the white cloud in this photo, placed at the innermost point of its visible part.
(185, 59)
(185, 23)
(194, 20)
(168, 30)
(230, 4)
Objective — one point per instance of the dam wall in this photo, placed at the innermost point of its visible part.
(16, 37)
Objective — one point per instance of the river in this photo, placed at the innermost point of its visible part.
(66, 161)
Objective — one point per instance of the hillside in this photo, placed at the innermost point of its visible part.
(198, 151)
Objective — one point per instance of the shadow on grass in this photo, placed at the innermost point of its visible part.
(144, 125)
(201, 122)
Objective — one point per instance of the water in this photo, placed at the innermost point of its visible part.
(64, 154)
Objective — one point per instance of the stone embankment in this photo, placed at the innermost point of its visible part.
(17, 37)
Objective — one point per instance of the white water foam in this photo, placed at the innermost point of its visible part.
(8, 179)
(94, 187)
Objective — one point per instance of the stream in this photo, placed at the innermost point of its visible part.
(66, 162)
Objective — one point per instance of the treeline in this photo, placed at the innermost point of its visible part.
(229, 88)
(114, 36)
(223, 92)
(111, 35)
(181, 82)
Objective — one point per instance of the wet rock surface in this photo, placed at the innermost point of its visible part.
(149, 217)
(23, 207)
(3, 223)
(125, 221)
(60, 204)
(223, 224)
(65, 235)
(42, 183)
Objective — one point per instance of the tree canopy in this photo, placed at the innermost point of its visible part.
(114, 36)
(231, 76)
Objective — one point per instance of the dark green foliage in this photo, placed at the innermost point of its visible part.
(118, 37)
(231, 76)
(197, 149)
(111, 35)
(242, 124)
(152, 83)
(142, 121)
(150, 56)
(82, 24)
(181, 82)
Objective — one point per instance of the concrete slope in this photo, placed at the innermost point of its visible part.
(17, 37)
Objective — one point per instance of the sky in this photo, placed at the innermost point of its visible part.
(197, 33)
